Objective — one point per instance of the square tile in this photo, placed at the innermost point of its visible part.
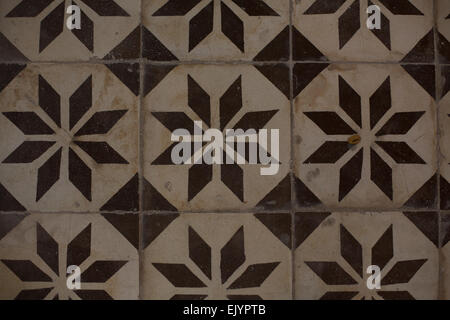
(339, 29)
(443, 23)
(212, 30)
(216, 256)
(222, 98)
(70, 139)
(36, 254)
(38, 30)
(333, 262)
(365, 137)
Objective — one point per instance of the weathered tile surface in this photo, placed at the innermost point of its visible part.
(332, 263)
(221, 97)
(339, 29)
(71, 135)
(210, 256)
(365, 136)
(35, 257)
(213, 30)
(37, 29)
(87, 175)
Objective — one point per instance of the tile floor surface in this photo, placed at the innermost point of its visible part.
(86, 177)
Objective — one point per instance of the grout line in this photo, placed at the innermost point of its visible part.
(141, 124)
(216, 62)
(292, 154)
(148, 213)
(438, 136)
(237, 211)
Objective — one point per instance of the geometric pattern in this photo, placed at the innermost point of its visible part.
(368, 139)
(227, 102)
(63, 135)
(215, 30)
(87, 179)
(338, 271)
(345, 37)
(41, 32)
(37, 268)
(215, 258)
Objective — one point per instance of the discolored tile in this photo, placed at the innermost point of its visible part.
(36, 255)
(212, 30)
(210, 256)
(70, 139)
(222, 98)
(367, 138)
(337, 260)
(38, 29)
(339, 29)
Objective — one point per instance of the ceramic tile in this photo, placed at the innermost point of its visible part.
(355, 170)
(212, 30)
(210, 256)
(38, 29)
(365, 137)
(36, 255)
(69, 135)
(339, 29)
(443, 23)
(333, 262)
(221, 97)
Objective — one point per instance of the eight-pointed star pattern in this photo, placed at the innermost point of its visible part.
(202, 24)
(332, 273)
(333, 125)
(201, 174)
(60, 139)
(52, 286)
(232, 257)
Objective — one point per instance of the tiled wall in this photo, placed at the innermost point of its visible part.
(87, 179)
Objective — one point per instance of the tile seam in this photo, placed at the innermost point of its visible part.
(438, 135)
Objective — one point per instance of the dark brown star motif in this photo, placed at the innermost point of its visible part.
(53, 24)
(232, 257)
(59, 139)
(333, 274)
(201, 25)
(334, 126)
(200, 175)
(350, 21)
(53, 285)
